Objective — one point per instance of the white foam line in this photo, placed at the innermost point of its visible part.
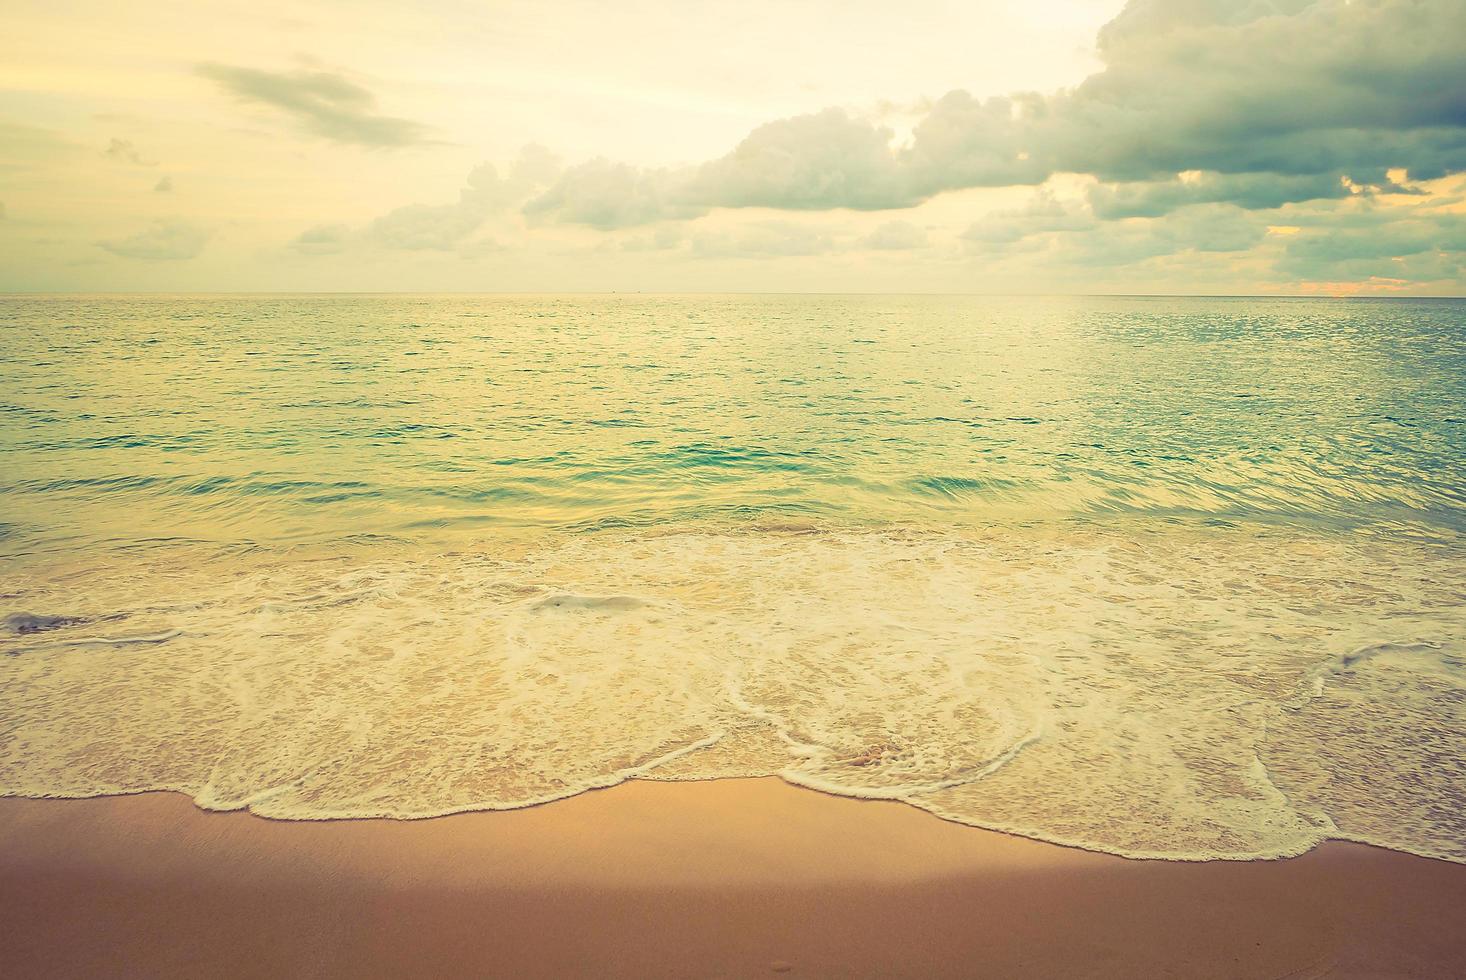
(116, 641)
(907, 792)
(604, 782)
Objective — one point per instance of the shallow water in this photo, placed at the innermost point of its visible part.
(1162, 577)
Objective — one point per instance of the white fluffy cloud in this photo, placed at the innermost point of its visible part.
(608, 195)
(815, 162)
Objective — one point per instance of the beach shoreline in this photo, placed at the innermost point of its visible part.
(738, 877)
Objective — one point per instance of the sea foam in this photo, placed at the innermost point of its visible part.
(1152, 690)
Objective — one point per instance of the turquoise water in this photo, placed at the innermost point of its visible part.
(285, 419)
(1165, 577)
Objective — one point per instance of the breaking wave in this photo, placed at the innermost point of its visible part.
(1162, 693)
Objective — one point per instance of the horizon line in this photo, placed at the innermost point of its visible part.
(718, 292)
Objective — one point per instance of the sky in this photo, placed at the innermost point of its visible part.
(1054, 146)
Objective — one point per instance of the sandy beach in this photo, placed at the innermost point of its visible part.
(731, 878)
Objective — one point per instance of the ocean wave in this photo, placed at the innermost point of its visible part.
(921, 548)
(1160, 691)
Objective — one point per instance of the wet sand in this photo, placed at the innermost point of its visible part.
(737, 878)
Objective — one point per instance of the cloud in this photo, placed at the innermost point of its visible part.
(1423, 267)
(125, 151)
(1069, 233)
(164, 186)
(663, 239)
(607, 195)
(1208, 123)
(896, 236)
(480, 247)
(165, 240)
(445, 226)
(1043, 213)
(1213, 228)
(762, 240)
(815, 162)
(438, 226)
(1410, 239)
(1289, 88)
(1419, 244)
(1207, 228)
(323, 103)
(1269, 101)
(322, 240)
(1149, 199)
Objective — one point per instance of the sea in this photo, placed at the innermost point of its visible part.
(1171, 578)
